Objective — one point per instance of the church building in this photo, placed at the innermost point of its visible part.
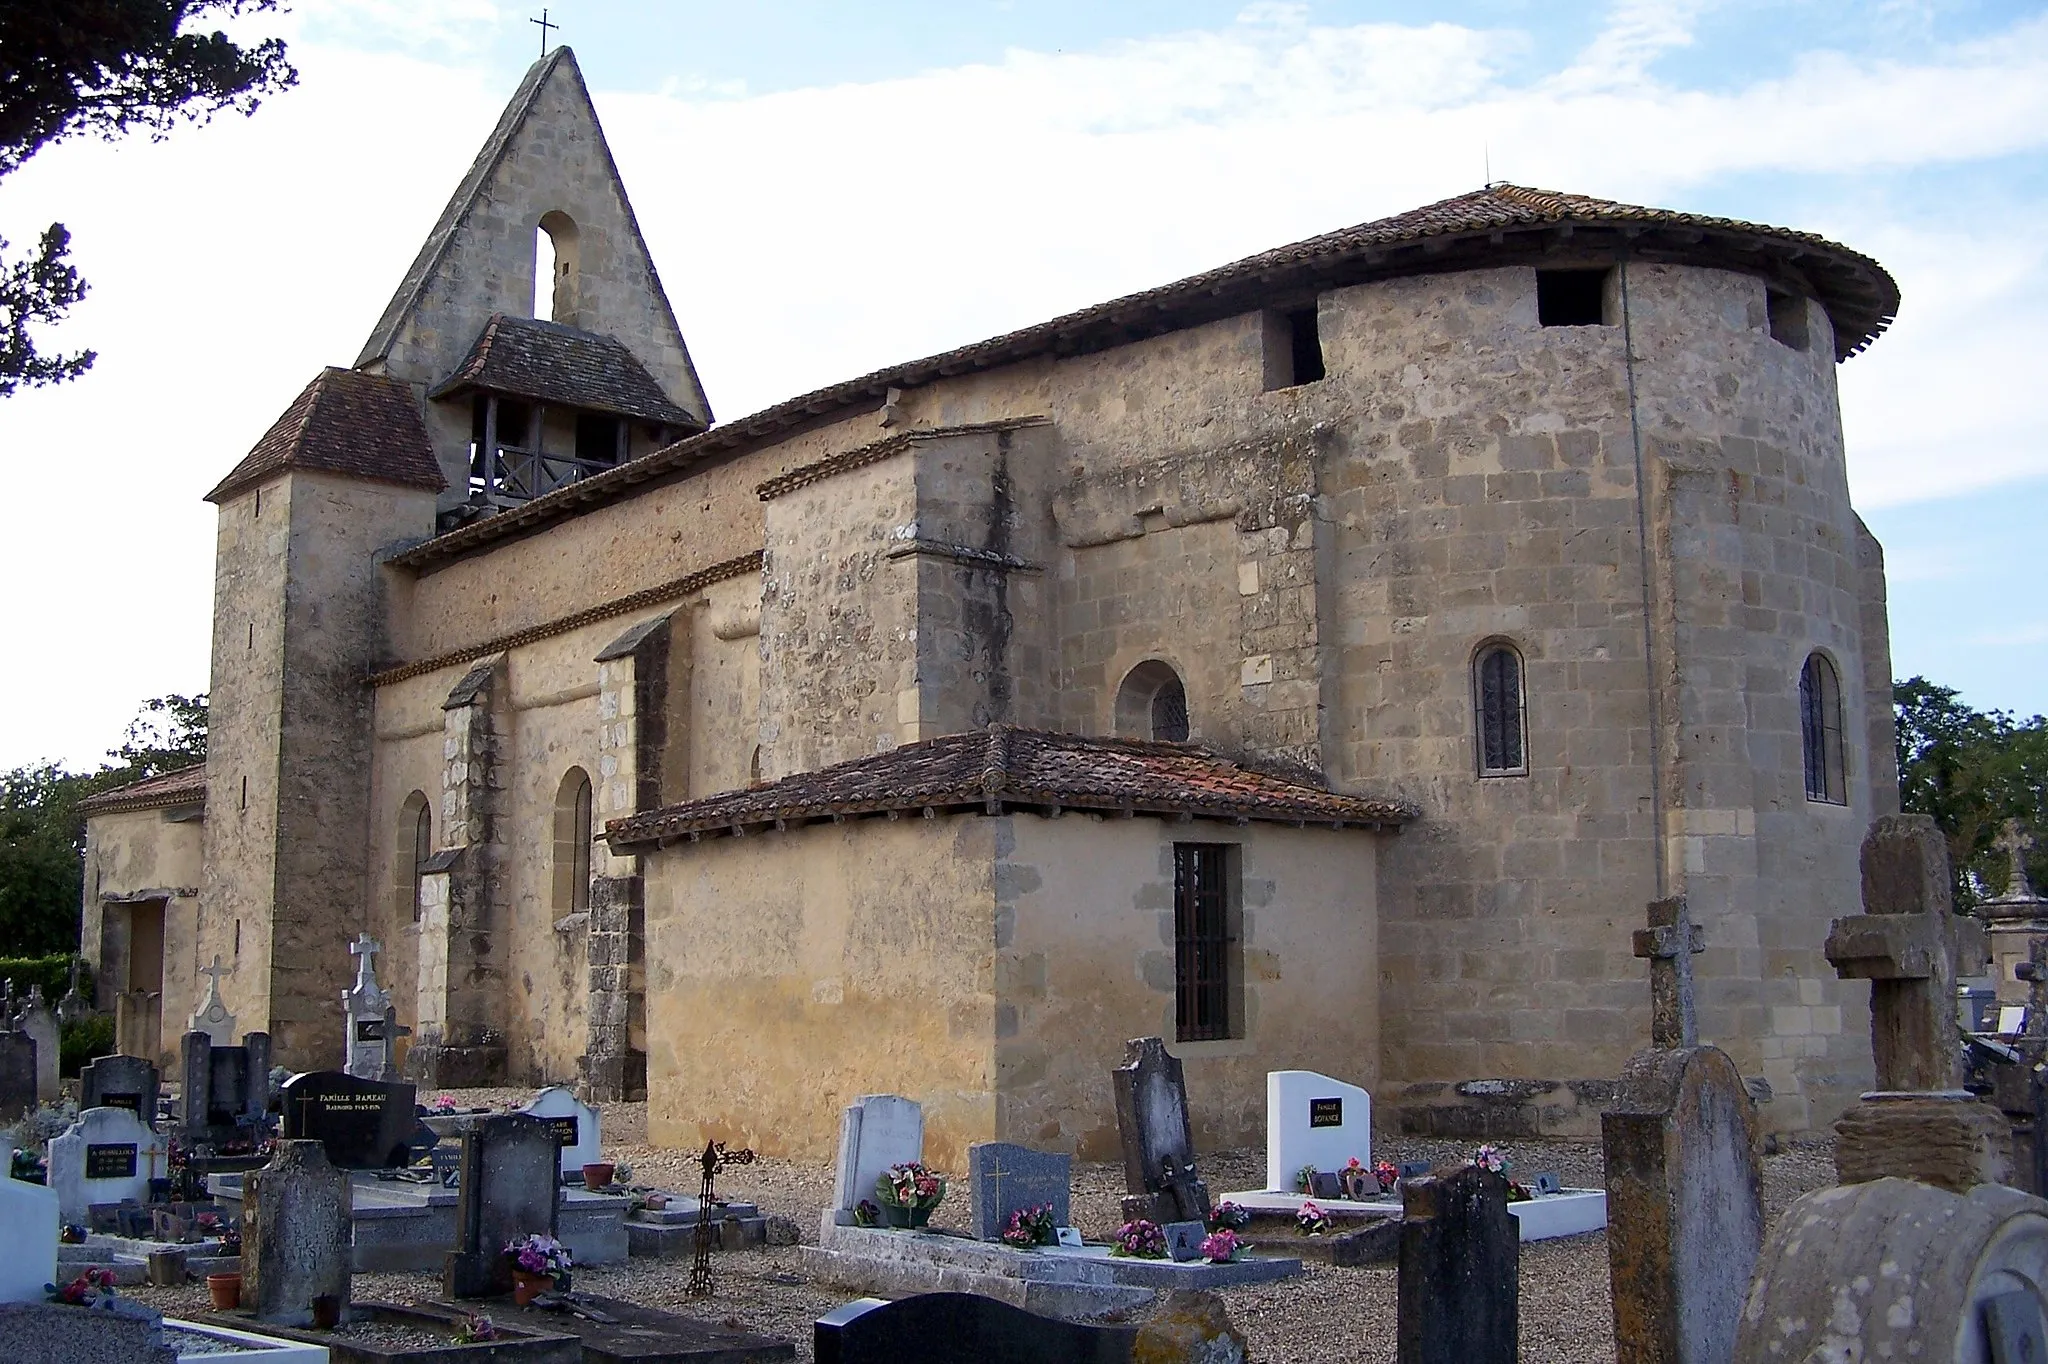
(1318, 662)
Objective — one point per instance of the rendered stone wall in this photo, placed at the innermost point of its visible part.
(129, 855)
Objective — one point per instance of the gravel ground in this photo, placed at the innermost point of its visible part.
(1327, 1314)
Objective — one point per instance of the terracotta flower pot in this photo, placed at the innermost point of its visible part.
(226, 1290)
(526, 1287)
(598, 1175)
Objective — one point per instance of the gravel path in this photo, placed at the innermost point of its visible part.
(1327, 1314)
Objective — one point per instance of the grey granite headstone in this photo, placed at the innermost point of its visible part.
(296, 1214)
(1004, 1178)
(875, 1132)
(1158, 1140)
(510, 1187)
(39, 1021)
(227, 1089)
(1457, 1287)
(17, 1075)
(128, 1082)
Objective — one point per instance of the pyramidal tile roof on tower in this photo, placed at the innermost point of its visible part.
(1500, 225)
(528, 358)
(344, 422)
(1004, 767)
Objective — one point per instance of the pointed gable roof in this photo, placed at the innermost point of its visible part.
(344, 422)
(556, 68)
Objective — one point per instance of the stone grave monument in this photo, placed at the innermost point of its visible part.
(1004, 1178)
(363, 1124)
(875, 1132)
(226, 1093)
(212, 1016)
(39, 1021)
(295, 1234)
(108, 1156)
(127, 1082)
(17, 1075)
(1685, 1216)
(1314, 1122)
(2016, 916)
(1919, 1123)
(1158, 1139)
(574, 1123)
(28, 1229)
(510, 1187)
(1457, 1286)
(373, 1030)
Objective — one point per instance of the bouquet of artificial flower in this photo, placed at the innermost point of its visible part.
(1140, 1240)
(1221, 1247)
(1489, 1157)
(94, 1288)
(1387, 1173)
(1228, 1216)
(910, 1185)
(1305, 1179)
(1031, 1227)
(540, 1254)
(1311, 1220)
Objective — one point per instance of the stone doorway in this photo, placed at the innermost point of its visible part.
(139, 1007)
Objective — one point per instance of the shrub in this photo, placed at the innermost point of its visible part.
(53, 973)
(82, 1040)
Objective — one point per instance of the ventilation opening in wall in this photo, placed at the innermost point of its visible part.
(1294, 349)
(1788, 318)
(1571, 298)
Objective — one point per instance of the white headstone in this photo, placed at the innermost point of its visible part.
(1313, 1120)
(562, 1110)
(2012, 1020)
(875, 1132)
(212, 1016)
(28, 1229)
(107, 1156)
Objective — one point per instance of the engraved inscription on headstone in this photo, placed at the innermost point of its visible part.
(1004, 1178)
(110, 1160)
(1325, 1112)
(1184, 1240)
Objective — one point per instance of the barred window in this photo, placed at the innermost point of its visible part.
(1152, 703)
(1820, 730)
(1498, 710)
(1205, 945)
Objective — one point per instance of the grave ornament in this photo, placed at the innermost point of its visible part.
(373, 1027)
(212, 1016)
(1158, 1139)
(714, 1159)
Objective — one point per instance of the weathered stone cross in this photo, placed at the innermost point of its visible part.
(365, 949)
(2016, 844)
(1669, 942)
(216, 971)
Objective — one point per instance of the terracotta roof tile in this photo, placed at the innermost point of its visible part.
(528, 358)
(186, 786)
(1005, 767)
(344, 422)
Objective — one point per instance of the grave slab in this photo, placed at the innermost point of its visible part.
(194, 1340)
(616, 1332)
(518, 1345)
(575, 1124)
(875, 1132)
(56, 1333)
(1545, 1217)
(107, 1156)
(1313, 1122)
(1004, 1178)
(961, 1328)
(28, 1229)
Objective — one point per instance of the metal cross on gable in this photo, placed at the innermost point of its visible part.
(1669, 942)
(544, 27)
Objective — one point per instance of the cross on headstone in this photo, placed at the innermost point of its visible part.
(2016, 843)
(215, 972)
(544, 27)
(365, 949)
(995, 1174)
(1669, 942)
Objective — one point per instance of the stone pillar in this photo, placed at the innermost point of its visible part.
(296, 1213)
(1458, 1285)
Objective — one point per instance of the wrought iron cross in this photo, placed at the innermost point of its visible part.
(714, 1159)
(544, 27)
(1669, 943)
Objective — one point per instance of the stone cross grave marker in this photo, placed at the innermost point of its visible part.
(39, 1021)
(1457, 1286)
(1158, 1139)
(296, 1215)
(1919, 1123)
(875, 1132)
(17, 1075)
(1684, 1188)
(107, 1156)
(2017, 845)
(28, 1229)
(373, 1029)
(128, 1082)
(363, 1124)
(1004, 1178)
(1313, 1121)
(510, 1187)
(212, 1016)
(575, 1125)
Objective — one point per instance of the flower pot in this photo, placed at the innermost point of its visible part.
(526, 1287)
(894, 1216)
(598, 1175)
(226, 1290)
(326, 1312)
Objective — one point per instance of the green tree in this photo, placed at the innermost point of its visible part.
(1972, 771)
(106, 67)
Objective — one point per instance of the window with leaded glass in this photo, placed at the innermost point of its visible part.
(1497, 703)
(1820, 731)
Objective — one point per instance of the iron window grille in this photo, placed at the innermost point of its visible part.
(1202, 941)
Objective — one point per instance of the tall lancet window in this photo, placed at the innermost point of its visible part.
(1820, 730)
(1499, 712)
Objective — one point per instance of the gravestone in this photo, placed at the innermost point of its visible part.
(1313, 1121)
(17, 1075)
(1684, 1187)
(1158, 1140)
(1457, 1284)
(1004, 1178)
(875, 1132)
(1184, 1240)
(127, 1082)
(373, 1030)
(961, 1328)
(212, 1016)
(1920, 1123)
(28, 1230)
(574, 1123)
(510, 1187)
(108, 1156)
(227, 1089)
(296, 1215)
(39, 1021)
(363, 1124)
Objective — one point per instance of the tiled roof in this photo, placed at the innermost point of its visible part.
(344, 422)
(528, 358)
(1003, 767)
(186, 786)
(1498, 225)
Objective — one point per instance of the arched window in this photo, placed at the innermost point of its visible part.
(413, 846)
(556, 258)
(1498, 711)
(1152, 703)
(754, 767)
(1820, 730)
(572, 842)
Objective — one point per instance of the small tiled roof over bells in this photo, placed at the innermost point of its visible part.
(1006, 768)
(524, 357)
(344, 422)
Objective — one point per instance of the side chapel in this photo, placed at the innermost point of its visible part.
(1318, 662)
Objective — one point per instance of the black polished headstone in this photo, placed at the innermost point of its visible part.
(1457, 1288)
(128, 1082)
(362, 1124)
(961, 1328)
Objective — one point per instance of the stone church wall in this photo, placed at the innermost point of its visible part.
(134, 857)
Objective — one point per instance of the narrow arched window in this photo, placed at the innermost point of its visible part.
(1152, 703)
(556, 261)
(1820, 730)
(1498, 711)
(572, 843)
(414, 845)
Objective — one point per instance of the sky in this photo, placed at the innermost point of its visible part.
(829, 187)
